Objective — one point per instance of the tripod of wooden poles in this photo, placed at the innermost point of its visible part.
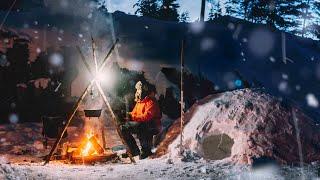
(76, 106)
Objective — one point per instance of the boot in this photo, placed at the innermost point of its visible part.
(145, 154)
(126, 155)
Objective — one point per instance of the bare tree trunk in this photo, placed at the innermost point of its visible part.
(203, 9)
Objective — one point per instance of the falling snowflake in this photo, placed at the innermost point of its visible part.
(80, 35)
(197, 27)
(272, 59)
(312, 101)
(231, 26)
(261, 42)
(312, 58)
(64, 3)
(285, 76)
(283, 86)
(25, 25)
(298, 87)
(13, 105)
(56, 59)
(89, 15)
(3, 60)
(207, 44)
(146, 27)
(35, 23)
(38, 50)
(13, 118)
(59, 39)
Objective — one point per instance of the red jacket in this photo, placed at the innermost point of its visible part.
(146, 110)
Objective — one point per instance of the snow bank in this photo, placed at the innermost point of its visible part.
(242, 126)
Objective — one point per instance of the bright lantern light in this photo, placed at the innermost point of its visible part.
(105, 77)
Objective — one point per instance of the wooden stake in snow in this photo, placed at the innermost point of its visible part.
(181, 95)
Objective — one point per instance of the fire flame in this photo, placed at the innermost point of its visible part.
(88, 148)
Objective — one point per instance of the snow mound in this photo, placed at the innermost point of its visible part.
(243, 126)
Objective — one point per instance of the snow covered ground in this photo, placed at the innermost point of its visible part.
(21, 159)
(152, 169)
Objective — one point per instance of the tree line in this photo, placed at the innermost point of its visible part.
(166, 10)
(300, 17)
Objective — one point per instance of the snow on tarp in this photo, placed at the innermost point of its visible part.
(250, 124)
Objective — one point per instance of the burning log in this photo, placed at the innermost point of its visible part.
(96, 146)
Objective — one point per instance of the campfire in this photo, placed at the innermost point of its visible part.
(88, 151)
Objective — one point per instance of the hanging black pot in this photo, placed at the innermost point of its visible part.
(92, 112)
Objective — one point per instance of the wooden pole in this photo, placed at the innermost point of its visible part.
(181, 95)
(114, 118)
(54, 148)
(115, 122)
(203, 9)
(94, 55)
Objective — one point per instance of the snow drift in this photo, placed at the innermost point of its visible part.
(242, 126)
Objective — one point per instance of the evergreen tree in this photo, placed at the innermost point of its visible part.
(211, 14)
(147, 8)
(278, 14)
(306, 15)
(169, 10)
(215, 11)
(184, 17)
(316, 24)
(103, 9)
(244, 9)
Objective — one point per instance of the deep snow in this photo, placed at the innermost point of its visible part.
(257, 124)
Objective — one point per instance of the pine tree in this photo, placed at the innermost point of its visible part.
(215, 11)
(211, 14)
(278, 14)
(103, 9)
(169, 10)
(316, 24)
(305, 14)
(184, 17)
(147, 8)
(244, 9)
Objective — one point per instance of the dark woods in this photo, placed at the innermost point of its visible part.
(31, 89)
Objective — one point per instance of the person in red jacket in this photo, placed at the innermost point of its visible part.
(144, 120)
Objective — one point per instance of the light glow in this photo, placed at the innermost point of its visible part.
(106, 78)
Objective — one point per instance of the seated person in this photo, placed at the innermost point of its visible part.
(144, 120)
